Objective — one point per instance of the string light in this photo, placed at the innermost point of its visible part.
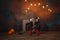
(26, 11)
(43, 7)
(38, 3)
(28, 8)
(25, 0)
(49, 10)
(46, 5)
(34, 4)
(31, 4)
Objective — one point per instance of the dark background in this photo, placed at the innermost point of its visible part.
(8, 18)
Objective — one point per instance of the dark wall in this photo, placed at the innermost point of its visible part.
(5, 15)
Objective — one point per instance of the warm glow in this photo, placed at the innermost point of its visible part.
(31, 4)
(28, 8)
(49, 10)
(46, 5)
(26, 11)
(25, 0)
(34, 4)
(11, 31)
(38, 3)
(43, 7)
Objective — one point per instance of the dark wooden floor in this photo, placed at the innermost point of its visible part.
(25, 36)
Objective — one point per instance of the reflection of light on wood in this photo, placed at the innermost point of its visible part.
(31, 4)
(38, 3)
(34, 4)
(43, 7)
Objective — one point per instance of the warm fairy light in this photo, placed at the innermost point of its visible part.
(49, 10)
(46, 5)
(38, 3)
(43, 7)
(28, 8)
(34, 4)
(25, 0)
(26, 11)
(31, 4)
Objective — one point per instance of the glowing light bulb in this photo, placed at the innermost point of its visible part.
(46, 5)
(43, 7)
(25, 0)
(35, 5)
(38, 3)
(31, 4)
(26, 11)
(49, 10)
(28, 8)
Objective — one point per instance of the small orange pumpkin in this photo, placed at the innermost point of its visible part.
(11, 31)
